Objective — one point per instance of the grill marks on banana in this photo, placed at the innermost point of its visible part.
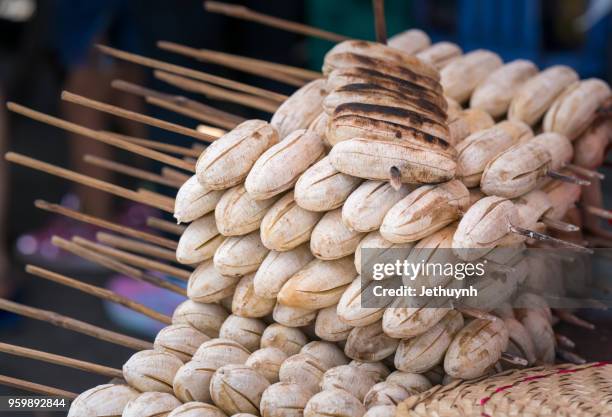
(382, 113)
(423, 103)
(358, 75)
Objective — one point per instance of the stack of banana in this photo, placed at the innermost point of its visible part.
(380, 154)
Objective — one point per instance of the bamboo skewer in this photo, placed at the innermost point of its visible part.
(131, 259)
(589, 173)
(96, 221)
(225, 58)
(597, 211)
(560, 225)
(86, 180)
(155, 196)
(565, 341)
(531, 234)
(181, 105)
(248, 65)
(116, 266)
(29, 386)
(164, 104)
(570, 356)
(99, 292)
(131, 115)
(188, 72)
(380, 24)
(245, 13)
(211, 130)
(568, 178)
(130, 171)
(174, 175)
(159, 146)
(136, 246)
(215, 92)
(35, 388)
(75, 325)
(60, 360)
(513, 359)
(571, 318)
(165, 226)
(100, 136)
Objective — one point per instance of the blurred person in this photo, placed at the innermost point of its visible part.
(15, 48)
(76, 26)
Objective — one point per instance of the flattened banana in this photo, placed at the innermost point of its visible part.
(331, 239)
(279, 167)
(199, 241)
(322, 188)
(410, 41)
(376, 50)
(286, 225)
(227, 161)
(238, 214)
(461, 76)
(575, 108)
(475, 348)
(366, 207)
(194, 201)
(424, 211)
(536, 96)
(319, 284)
(484, 226)
(517, 170)
(374, 159)
(300, 109)
(440, 54)
(495, 93)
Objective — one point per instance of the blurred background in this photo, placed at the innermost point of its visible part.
(46, 46)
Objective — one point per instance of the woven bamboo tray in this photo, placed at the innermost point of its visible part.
(563, 390)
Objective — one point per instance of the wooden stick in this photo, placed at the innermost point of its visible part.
(165, 226)
(99, 292)
(96, 221)
(164, 199)
(236, 61)
(117, 266)
(86, 180)
(380, 24)
(167, 105)
(571, 357)
(137, 117)
(211, 130)
(571, 318)
(531, 234)
(60, 360)
(74, 325)
(559, 225)
(597, 211)
(136, 246)
(219, 93)
(130, 171)
(565, 341)
(513, 359)
(187, 72)
(589, 173)
(35, 388)
(101, 137)
(245, 13)
(248, 65)
(159, 146)
(174, 174)
(132, 259)
(568, 178)
(181, 105)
